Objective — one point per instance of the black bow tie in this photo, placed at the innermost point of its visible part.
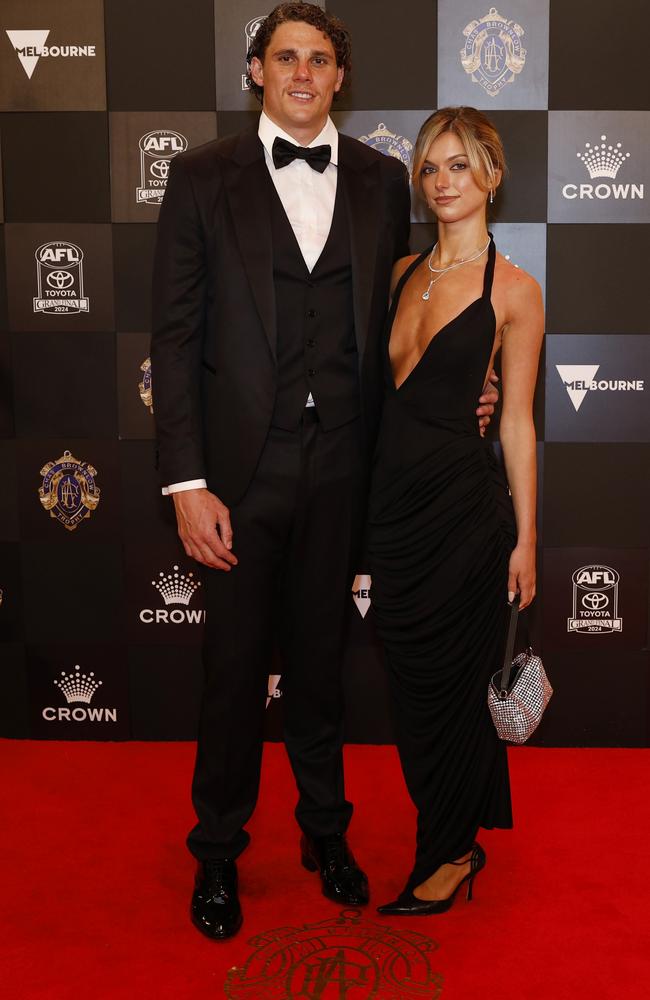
(285, 152)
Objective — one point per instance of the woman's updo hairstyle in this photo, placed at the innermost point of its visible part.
(480, 139)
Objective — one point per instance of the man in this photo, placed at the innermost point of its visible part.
(272, 272)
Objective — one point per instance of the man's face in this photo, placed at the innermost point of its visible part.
(300, 77)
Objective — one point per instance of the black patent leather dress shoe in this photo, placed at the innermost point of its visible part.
(342, 879)
(215, 908)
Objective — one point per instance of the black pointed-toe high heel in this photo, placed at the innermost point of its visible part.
(408, 905)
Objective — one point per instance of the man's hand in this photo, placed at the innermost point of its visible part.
(198, 513)
(488, 401)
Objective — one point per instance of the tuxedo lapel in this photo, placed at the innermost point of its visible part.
(247, 182)
(359, 176)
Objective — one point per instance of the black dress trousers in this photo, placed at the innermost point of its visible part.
(294, 533)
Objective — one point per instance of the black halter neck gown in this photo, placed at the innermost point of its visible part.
(441, 529)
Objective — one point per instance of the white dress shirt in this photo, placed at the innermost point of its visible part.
(308, 199)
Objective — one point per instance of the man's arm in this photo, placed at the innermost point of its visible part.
(179, 288)
(177, 332)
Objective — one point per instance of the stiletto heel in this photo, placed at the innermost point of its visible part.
(409, 905)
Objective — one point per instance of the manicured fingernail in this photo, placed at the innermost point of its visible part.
(511, 596)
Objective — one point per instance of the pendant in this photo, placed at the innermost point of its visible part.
(426, 295)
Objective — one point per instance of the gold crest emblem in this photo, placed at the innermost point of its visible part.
(493, 54)
(389, 143)
(69, 490)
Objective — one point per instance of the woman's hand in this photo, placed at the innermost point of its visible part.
(521, 575)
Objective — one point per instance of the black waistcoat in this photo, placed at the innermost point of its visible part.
(316, 346)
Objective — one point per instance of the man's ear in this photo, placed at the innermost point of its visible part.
(257, 71)
(340, 73)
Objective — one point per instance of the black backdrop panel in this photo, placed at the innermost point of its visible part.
(154, 672)
(9, 502)
(592, 700)
(56, 167)
(11, 594)
(14, 704)
(6, 386)
(135, 416)
(78, 691)
(60, 276)
(62, 583)
(58, 79)
(394, 61)
(143, 145)
(160, 55)
(593, 63)
(86, 141)
(609, 498)
(37, 523)
(133, 247)
(596, 600)
(598, 278)
(147, 516)
(77, 395)
(522, 197)
(4, 319)
(597, 388)
(164, 596)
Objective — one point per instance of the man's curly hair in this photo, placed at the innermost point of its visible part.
(331, 26)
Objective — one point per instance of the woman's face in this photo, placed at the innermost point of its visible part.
(448, 184)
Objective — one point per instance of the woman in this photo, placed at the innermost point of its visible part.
(444, 556)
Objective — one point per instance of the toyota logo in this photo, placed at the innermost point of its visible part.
(160, 168)
(60, 279)
(595, 601)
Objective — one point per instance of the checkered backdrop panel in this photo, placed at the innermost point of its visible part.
(101, 612)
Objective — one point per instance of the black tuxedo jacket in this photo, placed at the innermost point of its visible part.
(214, 317)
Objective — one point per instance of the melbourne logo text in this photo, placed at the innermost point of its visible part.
(578, 380)
(78, 689)
(176, 590)
(30, 47)
(603, 159)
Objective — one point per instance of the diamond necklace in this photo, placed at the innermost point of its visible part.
(443, 270)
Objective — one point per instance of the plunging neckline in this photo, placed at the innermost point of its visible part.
(395, 305)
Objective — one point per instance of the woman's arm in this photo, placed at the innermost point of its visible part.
(522, 341)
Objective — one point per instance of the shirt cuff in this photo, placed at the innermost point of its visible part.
(189, 484)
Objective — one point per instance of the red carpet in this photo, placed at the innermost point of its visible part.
(97, 880)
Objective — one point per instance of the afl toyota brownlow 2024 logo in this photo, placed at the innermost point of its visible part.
(60, 279)
(595, 600)
(343, 957)
(157, 149)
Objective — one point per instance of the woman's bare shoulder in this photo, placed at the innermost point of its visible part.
(514, 281)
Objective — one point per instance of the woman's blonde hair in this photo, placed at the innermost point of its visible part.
(480, 139)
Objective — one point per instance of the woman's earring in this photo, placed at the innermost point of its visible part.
(491, 196)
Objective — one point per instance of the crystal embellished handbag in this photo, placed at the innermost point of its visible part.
(518, 693)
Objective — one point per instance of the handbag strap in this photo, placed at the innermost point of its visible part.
(510, 644)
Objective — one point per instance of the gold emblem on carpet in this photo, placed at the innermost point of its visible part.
(343, 958)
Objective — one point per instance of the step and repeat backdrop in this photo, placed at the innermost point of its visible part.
(101, 612)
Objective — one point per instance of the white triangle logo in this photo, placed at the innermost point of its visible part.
(360, 593)
(576, 379)
(26, 43)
